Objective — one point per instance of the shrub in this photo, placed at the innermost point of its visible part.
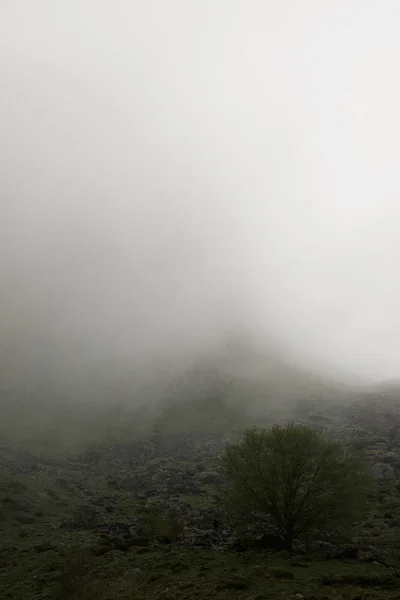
(385, 580)
(234, 583)
(281, 574)
(85, 517)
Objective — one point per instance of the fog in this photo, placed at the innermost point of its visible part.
(176, 172)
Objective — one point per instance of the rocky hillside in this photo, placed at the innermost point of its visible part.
(73, 409)
(159, 491)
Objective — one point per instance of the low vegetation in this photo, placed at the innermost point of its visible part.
(206, 513)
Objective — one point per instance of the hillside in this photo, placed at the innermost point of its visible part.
(139, 517)
(71, 410)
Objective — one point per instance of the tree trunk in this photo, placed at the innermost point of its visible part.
(288, 543)
(288, 539)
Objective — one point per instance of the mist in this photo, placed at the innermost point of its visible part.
(177, 173)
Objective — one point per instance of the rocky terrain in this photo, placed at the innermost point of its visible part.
(154, 500)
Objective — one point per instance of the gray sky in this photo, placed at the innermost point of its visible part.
(172, 170)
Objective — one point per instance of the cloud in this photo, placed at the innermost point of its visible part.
(174, 171)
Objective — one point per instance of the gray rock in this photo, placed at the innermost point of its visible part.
(391, 458)
(134, 531)
(208, 477)
(382, 471)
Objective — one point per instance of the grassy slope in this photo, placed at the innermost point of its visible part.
(70, 415)
(38, 559)
(177, 575)
(41, 560)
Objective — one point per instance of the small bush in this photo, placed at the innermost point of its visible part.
(43, 547)
(140, 541)
(298, 563)
(283, 554)
(385, 580)
(24, 519)
(281, 574)
(85, 517)
(62, 482)
(16, 504)
(23, 534)
(75, 573)
(51, 493)
(234, 583)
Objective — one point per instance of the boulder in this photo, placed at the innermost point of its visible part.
(208, 477)
(382, 471)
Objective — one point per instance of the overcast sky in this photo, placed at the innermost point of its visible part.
(172, 170)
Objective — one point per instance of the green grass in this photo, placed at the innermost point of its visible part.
(40, 559)
(205, 574)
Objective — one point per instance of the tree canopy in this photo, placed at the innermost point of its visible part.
(295, 478)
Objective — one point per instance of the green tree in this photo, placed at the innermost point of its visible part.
(295, 479)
